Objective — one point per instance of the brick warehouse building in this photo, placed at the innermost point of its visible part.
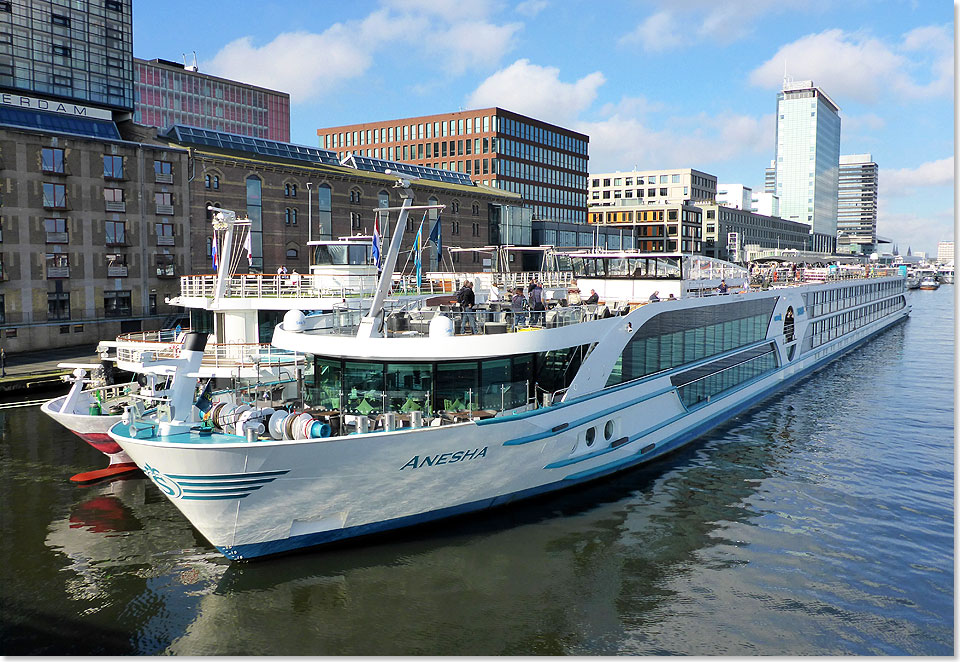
(267, 180)
(92, 233)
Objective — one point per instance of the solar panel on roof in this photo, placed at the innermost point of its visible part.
(36, 119)
(188, 134)
(423, 172)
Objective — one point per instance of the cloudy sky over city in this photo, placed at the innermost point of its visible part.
(655, 84)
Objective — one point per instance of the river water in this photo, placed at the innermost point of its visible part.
(821, 523)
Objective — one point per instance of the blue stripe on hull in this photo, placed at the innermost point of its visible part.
(683, 437)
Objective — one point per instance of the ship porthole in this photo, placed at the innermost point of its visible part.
(591, 436)
(608, 430)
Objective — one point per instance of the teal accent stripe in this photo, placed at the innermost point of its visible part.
(252, 474)
(214, 498)
(586, 419)
(227, 484)
(224, 490)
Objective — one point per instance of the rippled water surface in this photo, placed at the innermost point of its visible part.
(819, 523)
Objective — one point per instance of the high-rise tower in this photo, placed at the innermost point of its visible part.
(857, 210)
(808, 157)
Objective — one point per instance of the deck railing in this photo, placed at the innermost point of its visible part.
(165, 344)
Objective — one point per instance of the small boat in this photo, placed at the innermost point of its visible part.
(404, 423)
(929, 283)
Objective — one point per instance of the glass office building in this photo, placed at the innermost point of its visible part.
(81, 51)
(807, 163)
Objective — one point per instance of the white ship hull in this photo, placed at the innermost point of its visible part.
(251, 499)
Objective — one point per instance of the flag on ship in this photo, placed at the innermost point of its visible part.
(376, 241)
(213, 250)
(417, 247)
(435, 238)
(248, 246)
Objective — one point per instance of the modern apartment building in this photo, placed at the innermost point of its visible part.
(857, 205)
(807, 160)
(944, 251)
(652, 186)
(77, 52)
(169, 93)
(276, 184)
(669, 227)
(544, 163)
(750, 229)
(93, 234)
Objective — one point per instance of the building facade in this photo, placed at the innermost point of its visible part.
(807, 160)
(69, 52)
(285, 188)
(169, 93)
(944, 252)
(544, 163)
(93, 236)
(654, 228)
(765, 203)
(737, 196)
(652, 186)
(750, 229)
(857, 204)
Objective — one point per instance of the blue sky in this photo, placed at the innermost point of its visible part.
(655, 84)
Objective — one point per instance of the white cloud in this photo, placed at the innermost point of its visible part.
(537, 91)
(621, 142)
(719, 22)
(868, 121)
(301, 63)
(864, 68)
(916, 231)
(531, 8)
(471, 44)
(659, 32)
(906, 181)
(451, 35)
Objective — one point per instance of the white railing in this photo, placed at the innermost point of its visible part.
(163, 344)
(164, 240)
(116, 206)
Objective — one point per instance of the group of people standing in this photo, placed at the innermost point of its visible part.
(520, 305)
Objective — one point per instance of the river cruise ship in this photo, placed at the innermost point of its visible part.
(413, 415)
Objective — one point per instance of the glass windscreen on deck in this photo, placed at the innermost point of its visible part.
(674, 338)
(343, 253)
(622, 267)
(374, 387)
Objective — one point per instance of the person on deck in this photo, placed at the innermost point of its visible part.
(536, 303)
(466, 299)
(593, 298)
(517, 305)
(723, 287)
(654, 297)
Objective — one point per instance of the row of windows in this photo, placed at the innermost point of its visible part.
(825, 330)
(674, 338)
(116, 303)
(539, 154)
(510, 168)
(52, 161)
(702, 389)
(828, 301)
(373, 387)
(58, 265)
(57, 230)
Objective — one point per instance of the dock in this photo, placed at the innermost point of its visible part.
(35, 372)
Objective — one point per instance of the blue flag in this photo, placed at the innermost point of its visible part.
(435, 238)
(376, 242)
(417, 247)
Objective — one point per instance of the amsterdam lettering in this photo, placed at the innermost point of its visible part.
(418, 462)
(34, 103)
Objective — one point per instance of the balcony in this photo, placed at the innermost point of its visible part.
(58, 272)
(58, 238)
(163, 177)
(118, 271)
(165, 209)
(116, 206)
(165, 240)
